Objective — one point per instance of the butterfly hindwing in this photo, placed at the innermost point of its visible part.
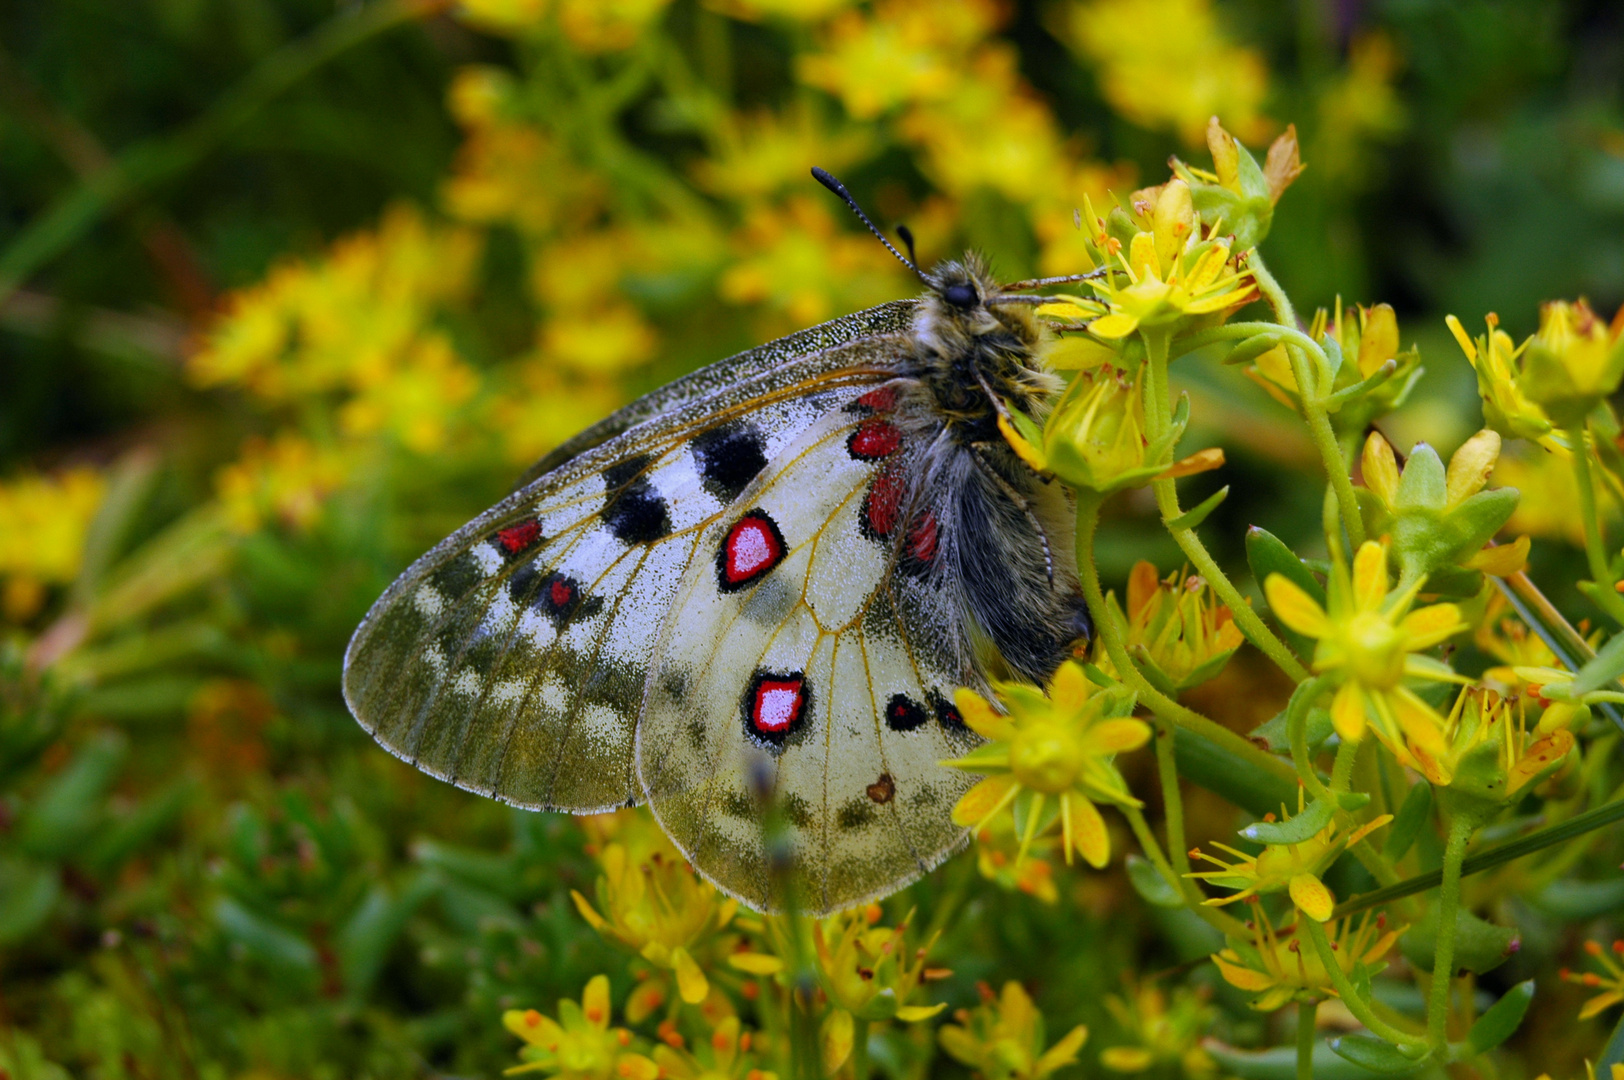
(806, 661)
(512, 659)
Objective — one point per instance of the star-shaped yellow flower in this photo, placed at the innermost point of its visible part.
(1368, 638)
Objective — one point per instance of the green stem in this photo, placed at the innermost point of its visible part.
(1443, 958)
(1297, 734)
(1342, 770)
(859, 1050)
(1595, 548)
(1172, 798)
(1088, 517)
(1223, 922)
(1598, 818)
(1305, 1039)
(1157, 418)
(1358, 1006)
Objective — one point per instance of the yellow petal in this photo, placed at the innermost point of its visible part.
(1208, 267)
(1294, 607)
(1117, 736)
(636, 1067)
(1501, 560)
(1061, 1053)
(1378, 338)
(532, 1027)
(1421, 725)
(1142, 257)
(1029, 454)
(1600, 1002)
(1467, 345)
(984, 800)
(979, 716)
(588, 912)
(1243, 978)
(1370, 576)
(1127, 1059)
(1143, 584)
(1199, 462)
(1553, 747)
(835, 1041)
(595, 1002)
(1348, 712)
(1380, 468)
(755, 963)
(1115, 325)
(1311, 897)
(1087, 831)
(912, 1014)
(1469, 469)
(1070, 689)
(691, 983)
(1425, 627)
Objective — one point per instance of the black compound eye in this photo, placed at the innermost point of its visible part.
(961, 295)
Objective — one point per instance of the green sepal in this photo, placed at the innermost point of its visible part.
(1501, 1020)
(1294, 830)
(1152, 671)
(1249, 349)
(1412, 814)
(1603, 668)
(1267, 554)
(1454, 582)
(1193, 517)
(1479, 945)
(1377, 1055)
(1148, 882)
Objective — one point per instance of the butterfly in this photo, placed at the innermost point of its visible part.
(749, 597)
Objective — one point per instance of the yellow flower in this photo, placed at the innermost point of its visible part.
(1003, 1038)
(580, 1044)
(1168, 64)
(1367, 638)
(1611, 983)
(655, 906)
(1171, 272)
(796, 10)
(1295, 867)
(1163, 1033)
(504, 16)
(1507, 408)
(1178, 628)
(1059, 746)
(417, 399)
(44, 521)
(607, 25)
(1575, 360)
(1279, 966)
(1362, 105)
(1366, 339)
(904, 51)
(287, 478)
(1507, 638)
(1490, 753)
(1550, 492)
(1238, 194)
(1552, 689)
(999, 860)
(759, 154)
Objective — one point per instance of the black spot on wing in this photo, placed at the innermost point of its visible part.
(728, 458)
(456, 577)
(634, 512)
(947, 714)
(903, 713)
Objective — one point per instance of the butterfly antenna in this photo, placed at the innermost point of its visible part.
(845, 196)
(907, 238)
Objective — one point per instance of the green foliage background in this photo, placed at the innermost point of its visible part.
(206, 868)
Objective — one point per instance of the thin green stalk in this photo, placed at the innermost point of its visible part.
(1324, 436)
(1221, 921)
(1358, 1006)
(859, 1050)
(1297, 734)
(1595, 548)
(1443, 958)
(1088, 516)
(1172, 798)
(1342, 770)
(1157, 419)
(1305, 1039)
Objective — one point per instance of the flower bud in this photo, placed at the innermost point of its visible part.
(1574, 361)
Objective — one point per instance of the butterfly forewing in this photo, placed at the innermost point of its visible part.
(806, 665)
(512, 659)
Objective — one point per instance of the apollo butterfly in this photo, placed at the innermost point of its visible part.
(759, 585)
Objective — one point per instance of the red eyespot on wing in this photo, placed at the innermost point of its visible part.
(873, 440)
(883, 505)
(562, 592)
(880, 399)
(922, 538)
(752, 547)
(775, 705)
(516, 538)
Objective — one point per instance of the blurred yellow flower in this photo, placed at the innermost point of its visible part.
(44, 520)
(416, 398)
(536, 405)
(724, 1056)
(759, 154)
(591, 25)
(1367, 637)
(1003, 1038)
(903, 51)
(1166, 1033)
(1550, 492)
(793, 259)
(504, 16)
(1361, 105)
(1506, 638)
(1168, 64)
(1061, 745)
(286, 479)
(1280, 967)
(999, 860)
(796, 10)
(580, 1044)
(653, 904)
(1066, 246)
(1610, 983)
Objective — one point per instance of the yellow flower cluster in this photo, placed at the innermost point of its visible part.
(44, 520)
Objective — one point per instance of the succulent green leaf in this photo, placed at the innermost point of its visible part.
(1294, 830)
(1479, 945)
(1148, 882)
(1374, 1054)
(1412, 815)
(1193, 517)
(1501, 1020)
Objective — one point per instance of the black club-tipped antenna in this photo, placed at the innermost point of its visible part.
(839, 189)
(907, 238)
